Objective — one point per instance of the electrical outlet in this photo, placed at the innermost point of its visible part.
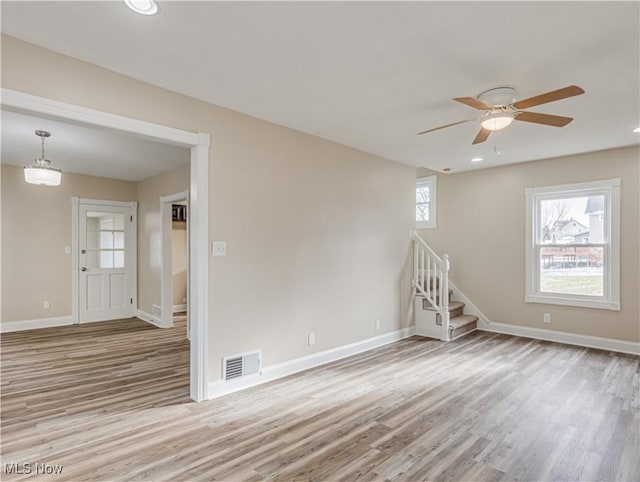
(546, 318)
(67, 250)
(311, 339)
(184, 300)
(45, 304)
(377, 325)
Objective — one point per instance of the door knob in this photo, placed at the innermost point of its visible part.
(83, 269)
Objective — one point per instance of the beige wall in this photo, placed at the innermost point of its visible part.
(179, 262)
(481, 225)
(36, 227)
(150, 232)
(317, 233)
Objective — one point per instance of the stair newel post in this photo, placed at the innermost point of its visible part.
(444, 297)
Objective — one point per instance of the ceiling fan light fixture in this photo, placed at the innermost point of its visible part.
(496, 122)
(41, 173)
(143, 7)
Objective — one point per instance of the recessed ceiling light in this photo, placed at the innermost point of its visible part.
(637, 129)
(477, 159)
(144, 7)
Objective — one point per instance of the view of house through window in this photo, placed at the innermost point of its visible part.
(572, 251)
(426, 202)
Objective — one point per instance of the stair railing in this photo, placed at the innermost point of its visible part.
(431, 280)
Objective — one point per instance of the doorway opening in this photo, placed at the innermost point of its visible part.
(198, 198)
(174, 289)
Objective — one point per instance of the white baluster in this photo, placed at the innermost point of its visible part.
(415, 263)
(422, 253)
(429, 278)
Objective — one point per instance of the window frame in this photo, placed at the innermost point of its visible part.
(610, 188)
(432, 181)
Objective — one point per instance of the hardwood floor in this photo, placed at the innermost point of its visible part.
(108, 401)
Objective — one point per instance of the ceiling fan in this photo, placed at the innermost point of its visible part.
(501, 109)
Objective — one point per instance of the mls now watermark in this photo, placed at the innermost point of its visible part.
(26, 468)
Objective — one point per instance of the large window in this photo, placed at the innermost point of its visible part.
(426, 202)
(573, 244)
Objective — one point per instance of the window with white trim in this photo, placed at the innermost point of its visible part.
(573, 244)
(426, 202)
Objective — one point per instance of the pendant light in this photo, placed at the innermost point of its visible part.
(42, 173)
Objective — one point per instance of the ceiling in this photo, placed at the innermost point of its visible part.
(86, 150)
(372, 74)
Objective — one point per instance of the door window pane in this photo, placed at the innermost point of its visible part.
(118, 240)
(106, 240)
(118, 221)
(106, 259)
(93, 240)
(118, 259)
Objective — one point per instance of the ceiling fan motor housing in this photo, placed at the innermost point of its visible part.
(499, 96)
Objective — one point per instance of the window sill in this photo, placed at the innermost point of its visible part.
(568, 301)
(425, 226)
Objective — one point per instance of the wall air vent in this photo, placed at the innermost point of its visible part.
(241, 365)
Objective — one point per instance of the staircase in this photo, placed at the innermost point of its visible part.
(441, 316)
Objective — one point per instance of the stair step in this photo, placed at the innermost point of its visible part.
(454, 305)
(463, 320)
(461, 325)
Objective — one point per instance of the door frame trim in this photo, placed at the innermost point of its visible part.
(166, 281)
(199, 143)
(132, 271)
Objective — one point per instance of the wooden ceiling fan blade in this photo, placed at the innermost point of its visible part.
(552, 96)
(445, 126)
(471, 102)
(546, 119)
(482, 136)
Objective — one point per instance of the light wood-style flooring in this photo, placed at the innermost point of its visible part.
(109, 401)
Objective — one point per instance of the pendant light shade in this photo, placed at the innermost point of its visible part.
(41, 172)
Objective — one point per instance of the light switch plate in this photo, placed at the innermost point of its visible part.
(67, 250)
(219, 248)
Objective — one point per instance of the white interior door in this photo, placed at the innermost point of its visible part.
(106, 247)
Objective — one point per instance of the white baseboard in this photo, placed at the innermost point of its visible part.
(154, 320)
(219, 388)
(484, 324)
(21, 325)
(179, 308)
(610, 344)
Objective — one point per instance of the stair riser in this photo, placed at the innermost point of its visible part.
(463, 329)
